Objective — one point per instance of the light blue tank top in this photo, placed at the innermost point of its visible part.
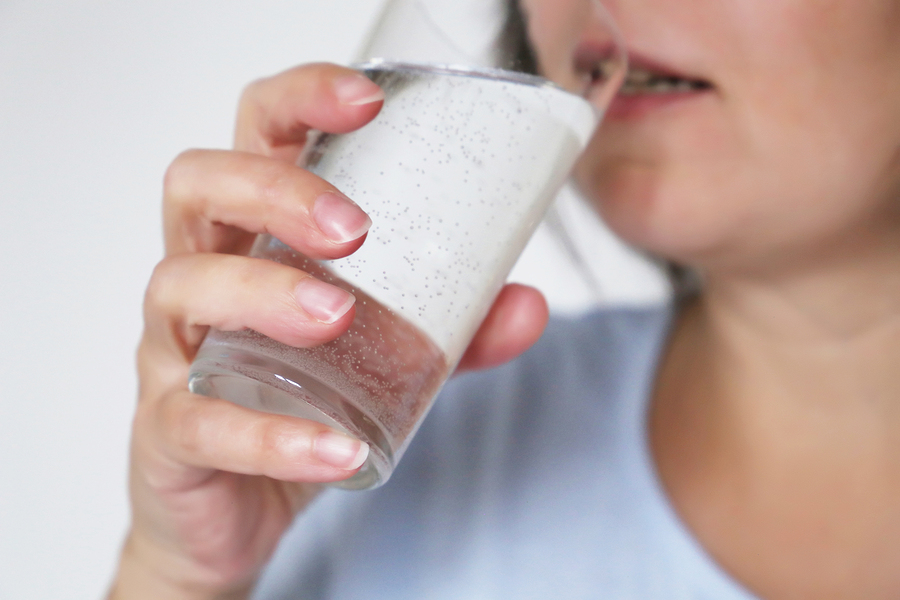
(533, 480)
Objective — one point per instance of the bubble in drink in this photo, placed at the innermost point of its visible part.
(455, 171)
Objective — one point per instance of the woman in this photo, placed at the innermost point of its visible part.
(767, 407)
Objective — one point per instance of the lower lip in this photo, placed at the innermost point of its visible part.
(635, 106)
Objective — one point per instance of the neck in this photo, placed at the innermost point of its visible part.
(776, 420)
(824, 331)
(785, 371)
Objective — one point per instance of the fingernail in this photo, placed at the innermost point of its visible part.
(339, 450)
(354, 90)
(322, 301)
(339, 218)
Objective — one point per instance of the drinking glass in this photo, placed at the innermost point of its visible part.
(486, 109)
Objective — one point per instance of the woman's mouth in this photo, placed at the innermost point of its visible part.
(650, 87)
(644, 81)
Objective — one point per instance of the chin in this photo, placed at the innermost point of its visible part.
(651, 212)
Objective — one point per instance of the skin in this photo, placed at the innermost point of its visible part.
(775, 420)
(213, 485)
(775, 423)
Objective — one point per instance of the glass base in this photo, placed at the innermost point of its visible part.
(262, 383)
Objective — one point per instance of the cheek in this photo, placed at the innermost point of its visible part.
(710, 190)
(821, 119)
(800, 141)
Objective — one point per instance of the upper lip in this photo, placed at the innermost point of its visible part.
(641, 62)
(595, 59)
(647, 76)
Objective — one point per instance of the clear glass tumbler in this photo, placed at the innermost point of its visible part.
(487, 107)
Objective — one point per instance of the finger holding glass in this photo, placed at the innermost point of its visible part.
(200, 464)
(456, 170)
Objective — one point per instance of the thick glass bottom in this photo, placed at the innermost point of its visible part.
(266, 384)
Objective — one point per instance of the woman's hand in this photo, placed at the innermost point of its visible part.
(214, 485)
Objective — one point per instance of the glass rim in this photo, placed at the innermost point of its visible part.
(461, 71)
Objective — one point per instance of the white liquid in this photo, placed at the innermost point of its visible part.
(456, 171)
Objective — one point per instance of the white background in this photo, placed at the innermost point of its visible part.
(95, 99)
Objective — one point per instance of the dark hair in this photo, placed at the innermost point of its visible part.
(515, 50)
(516, 53)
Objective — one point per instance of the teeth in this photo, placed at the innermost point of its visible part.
(638, 76)
(641, 81)
(604, 69)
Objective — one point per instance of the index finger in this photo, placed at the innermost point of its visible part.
(276, 114)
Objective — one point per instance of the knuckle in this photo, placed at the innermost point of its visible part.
(283, 196)
(179, 173)
(270, 439)
(147, 358)
(273, 186)
(250, 116)
(240, 274)
(187, 425)
(149, 424)
(251, 92)
(142, 415)
(252, 274)
(160, 287)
